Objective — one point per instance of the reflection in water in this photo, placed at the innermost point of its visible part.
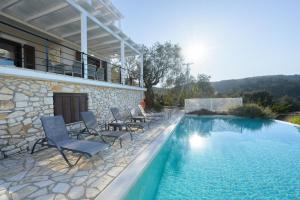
(208, 124)
(196, 141)
(193, 133)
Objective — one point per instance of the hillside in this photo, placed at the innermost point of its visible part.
(277, 85)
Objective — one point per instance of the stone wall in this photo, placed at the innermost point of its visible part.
(24, 101)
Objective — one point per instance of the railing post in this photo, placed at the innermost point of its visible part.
(47, 54)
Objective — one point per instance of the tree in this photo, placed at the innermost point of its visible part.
(160, 62)
(261, 98)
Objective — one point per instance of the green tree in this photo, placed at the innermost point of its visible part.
(161, 61)
(261, 98)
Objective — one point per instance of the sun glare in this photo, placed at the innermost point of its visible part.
(196, 52)
(197, 142)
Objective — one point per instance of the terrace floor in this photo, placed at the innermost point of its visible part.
(45, 175)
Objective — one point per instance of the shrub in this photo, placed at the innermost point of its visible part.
(252, 111)
(205, 112)
(157, 106)
(295, 119)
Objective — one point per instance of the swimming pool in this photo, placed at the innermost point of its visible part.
(224, 157)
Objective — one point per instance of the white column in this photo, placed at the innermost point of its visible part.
(122, 62)
(84, 47)
(141, 70)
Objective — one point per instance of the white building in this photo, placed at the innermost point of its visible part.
(55, 58)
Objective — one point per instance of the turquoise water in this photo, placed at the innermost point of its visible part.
(221, 157)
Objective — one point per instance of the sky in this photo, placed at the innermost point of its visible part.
(226, 39)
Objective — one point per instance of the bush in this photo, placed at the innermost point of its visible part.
(285, 105)
(157, 106)
(205, 112)
(252, 111)
(295, 119)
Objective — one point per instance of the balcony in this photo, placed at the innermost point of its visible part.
(69, 38)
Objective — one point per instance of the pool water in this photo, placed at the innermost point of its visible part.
(224, 157)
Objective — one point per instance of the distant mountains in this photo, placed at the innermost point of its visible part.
(277, 85)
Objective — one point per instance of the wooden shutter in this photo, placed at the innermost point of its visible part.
(29, 57)
(69, 105)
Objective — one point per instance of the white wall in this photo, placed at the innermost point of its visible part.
(212, 104)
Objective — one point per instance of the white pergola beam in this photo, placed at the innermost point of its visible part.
(104, 43)
(108, 48)
(46, 12)
(63, 23)
(9, 4)
(98, 36)
(95, 20)
(78, 32)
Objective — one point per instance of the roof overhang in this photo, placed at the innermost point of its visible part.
(61, 19)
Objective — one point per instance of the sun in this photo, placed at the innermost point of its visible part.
(196, 52)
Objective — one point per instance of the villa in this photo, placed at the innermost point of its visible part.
(73, 124)
(56, 57)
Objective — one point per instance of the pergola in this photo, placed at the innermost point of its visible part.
(91, 25)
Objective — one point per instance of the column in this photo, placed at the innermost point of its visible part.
(84, 48)
(141, 70)
(122, 62)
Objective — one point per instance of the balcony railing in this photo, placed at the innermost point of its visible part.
(24, 49)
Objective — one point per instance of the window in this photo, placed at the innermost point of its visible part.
(69, 105)
(10, 53)
(29, 57)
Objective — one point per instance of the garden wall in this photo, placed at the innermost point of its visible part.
(212, 104)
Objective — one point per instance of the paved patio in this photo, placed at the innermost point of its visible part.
(45, 175)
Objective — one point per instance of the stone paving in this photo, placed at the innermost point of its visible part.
(45, 175)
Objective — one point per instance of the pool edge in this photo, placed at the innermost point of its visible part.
(120, 186)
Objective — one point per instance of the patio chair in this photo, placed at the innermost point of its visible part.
(123, 121)
(100, 74)
(92, 71)
(134, 117)
(58, 68)
(142, 112)
(56, 136)
(92, 127)
(68, 70)
(77, 69)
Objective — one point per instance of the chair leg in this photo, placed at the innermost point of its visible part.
(66, 159)
(39, 141)
(120, 140)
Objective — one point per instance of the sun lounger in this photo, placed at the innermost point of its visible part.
(124, 121)
(56, 136)
(94, 128)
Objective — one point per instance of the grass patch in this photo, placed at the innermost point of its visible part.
(295, 119)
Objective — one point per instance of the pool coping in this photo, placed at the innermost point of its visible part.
(121, 185)
(285, 122)
(276, 120)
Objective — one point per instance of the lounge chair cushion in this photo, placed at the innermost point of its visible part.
(56, 131)
(82, 146)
